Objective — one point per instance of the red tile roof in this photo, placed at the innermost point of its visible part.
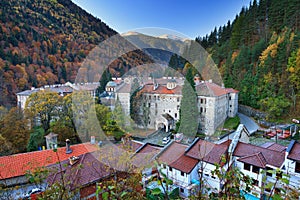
(273, 158)
(17, 164)
(208, 151)
(161, 90)
(294, 154)
(210, 89)
(231, 90)
(174, 156)
(171, 153)
(184, 163)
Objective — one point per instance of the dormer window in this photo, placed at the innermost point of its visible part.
(171, 85)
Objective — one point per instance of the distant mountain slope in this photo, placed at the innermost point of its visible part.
(258, 54)
(44, 42)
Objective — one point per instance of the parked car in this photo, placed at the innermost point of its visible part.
(32, 191)
(165, 140)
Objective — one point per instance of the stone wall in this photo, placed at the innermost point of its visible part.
(256, 114)
(251, 112)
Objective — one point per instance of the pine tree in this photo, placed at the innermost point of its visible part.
(189, 114)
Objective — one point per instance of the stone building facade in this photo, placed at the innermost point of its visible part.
(163, 96)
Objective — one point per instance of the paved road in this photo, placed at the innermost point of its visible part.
(248, 122)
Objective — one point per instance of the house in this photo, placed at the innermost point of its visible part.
(208, 155)
(13, 168)
(80, 175)
(252, 160)
(178, 167)
(292, 163)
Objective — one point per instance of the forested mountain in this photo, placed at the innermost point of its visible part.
(259, 54)
(44, 42)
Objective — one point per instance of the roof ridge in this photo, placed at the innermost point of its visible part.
(261, 157)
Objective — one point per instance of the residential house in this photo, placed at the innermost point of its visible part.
(178, 167)
(292, 163)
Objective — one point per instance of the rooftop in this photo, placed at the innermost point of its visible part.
(18, 164)
(273, 158)
(161, 89)
(90, 170)
(294, 153)
(173, 155)
(208, 151)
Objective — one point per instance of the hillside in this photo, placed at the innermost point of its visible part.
(44, 42)
(258, 54)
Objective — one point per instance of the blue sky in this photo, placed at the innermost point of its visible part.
(189, 17)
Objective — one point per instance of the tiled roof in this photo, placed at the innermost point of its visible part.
(206, 88)
(208, 151)
(273, 158)
(294, 154)
(161, 90)
(184, 163)
(17, 164)
(256, 159)
(171, 153)
(174, 156)
(90, 170)
(274, 146)
(145, 154)
(231, 90)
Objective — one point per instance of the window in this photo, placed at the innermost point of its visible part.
(182, 173)
(201, 110)
(149, 97)
(201, 101)
(175, 115)
(247, 166)
(155, 98)
(149, 105)
(170, 169)
(269, 173)
(229, 97)
(169, 111)
(178, 99)
(297, 168)
(163, 166)
(255, 182)
(255, 169)
(178, 106)
(181, 190)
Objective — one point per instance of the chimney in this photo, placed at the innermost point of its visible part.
(68, 149)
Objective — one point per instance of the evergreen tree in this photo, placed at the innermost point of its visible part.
(189, 114)
(105, 78)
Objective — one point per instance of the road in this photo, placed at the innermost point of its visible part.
(248, 122)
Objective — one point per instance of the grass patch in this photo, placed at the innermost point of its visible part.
(232, 123)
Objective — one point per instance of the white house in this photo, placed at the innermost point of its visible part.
(292, 163)
(178, 167)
